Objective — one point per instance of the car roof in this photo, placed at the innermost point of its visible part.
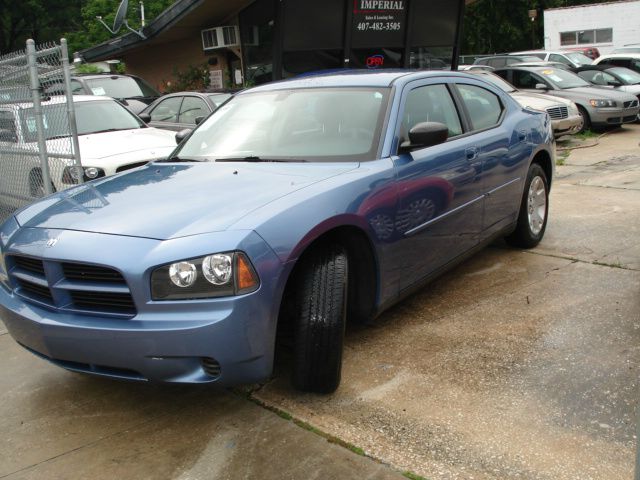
(596, 67)
(58, 99)
(356, 78)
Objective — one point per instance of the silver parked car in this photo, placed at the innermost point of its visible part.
(564, 114)
(599, 106)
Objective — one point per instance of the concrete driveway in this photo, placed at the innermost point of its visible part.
(516, 365)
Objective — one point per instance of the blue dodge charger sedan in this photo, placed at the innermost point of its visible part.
(295, 207)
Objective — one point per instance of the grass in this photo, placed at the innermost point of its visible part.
(587, 134)
(412, 476)
(561, 157)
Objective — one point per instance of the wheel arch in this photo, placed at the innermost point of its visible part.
(543, 158)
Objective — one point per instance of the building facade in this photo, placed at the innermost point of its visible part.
(602, 25)
(244, 43)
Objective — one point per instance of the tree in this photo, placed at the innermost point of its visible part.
(91, 32)
(495, 26)
(41, 20)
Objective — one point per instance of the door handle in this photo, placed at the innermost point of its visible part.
(472, 153)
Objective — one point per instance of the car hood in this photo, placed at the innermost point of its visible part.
(169, 200)
(596, 92)
(539, 101)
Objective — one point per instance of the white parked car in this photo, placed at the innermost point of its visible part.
(564, 114)
(111, 140)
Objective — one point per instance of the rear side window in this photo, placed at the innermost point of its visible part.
(559, 58)
(431, 103)
(7, 127)
(497, 62)
(484, 107)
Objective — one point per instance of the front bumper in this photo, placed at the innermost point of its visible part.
(567, 126)
(168, 341)
(613, 116)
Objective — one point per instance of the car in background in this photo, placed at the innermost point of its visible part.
(591, 52)
(133, 92)
(498, 61)
(111, 140)
(485, 68)
(598, 106)
(542, 63)
(570, 59)
(564, 114)
(295, 206)
(618, 78)
(627, 49)
(626, 60)
(180, 110)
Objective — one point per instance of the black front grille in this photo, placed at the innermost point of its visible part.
(558, 113)
(32, 265)
(71, 286)
(103, 301)
(130, 166)
(37, 292)
(91, 273)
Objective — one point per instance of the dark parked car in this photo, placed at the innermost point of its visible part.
(133, 92)
(296, 206)
(180, 110)
(598, 106)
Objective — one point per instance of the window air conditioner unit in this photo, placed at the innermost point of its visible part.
(220, 37)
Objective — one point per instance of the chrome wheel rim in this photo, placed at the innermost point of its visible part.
(536, 205)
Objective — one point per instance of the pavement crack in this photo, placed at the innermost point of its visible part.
(574, 260)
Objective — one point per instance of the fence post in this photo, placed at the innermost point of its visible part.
(37, 112)
(71, 111)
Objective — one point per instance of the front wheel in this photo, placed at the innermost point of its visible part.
(586, 120)
(321, 308)
(534, 208)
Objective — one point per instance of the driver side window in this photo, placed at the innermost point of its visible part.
(431, 103)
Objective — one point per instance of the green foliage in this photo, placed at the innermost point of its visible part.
(87, 68)
(195, 77)
(498, 26)
(91, 32)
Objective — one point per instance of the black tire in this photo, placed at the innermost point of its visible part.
(586, 120)
(321, 308)
(529, 231)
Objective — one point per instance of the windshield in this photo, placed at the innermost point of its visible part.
(121, 87)
(315, 124)
(629, 77)
(579, 58)
(627, 50)
(563, 78)
(91, 117)
(497, 81)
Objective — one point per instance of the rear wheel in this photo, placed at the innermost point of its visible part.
(534, 207)
(321, 308)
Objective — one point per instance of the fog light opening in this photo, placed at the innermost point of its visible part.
(210, 366)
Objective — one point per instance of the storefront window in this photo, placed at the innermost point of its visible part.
(257, 33)
(372, 58)
(295, 63)
(431, 58)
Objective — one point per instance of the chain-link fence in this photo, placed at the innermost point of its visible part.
(38, 136)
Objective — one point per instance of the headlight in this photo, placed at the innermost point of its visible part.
(71, 175)
(217, 275)
(599, 103)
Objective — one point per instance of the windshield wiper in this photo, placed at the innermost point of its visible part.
(64, 135)
(183, 159)
(259, 159)
(108, 130)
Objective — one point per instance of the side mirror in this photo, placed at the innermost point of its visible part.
(145, 117)
(199, 120)
(182, 134)
(541, 86)
(426, 134)
(614, 83)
